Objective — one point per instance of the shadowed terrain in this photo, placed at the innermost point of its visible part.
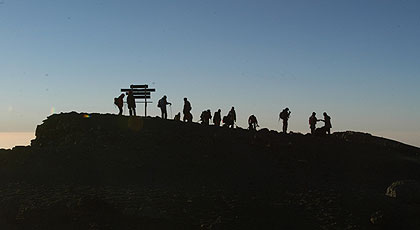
(101, 171)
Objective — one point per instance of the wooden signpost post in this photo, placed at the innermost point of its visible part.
(141, 92)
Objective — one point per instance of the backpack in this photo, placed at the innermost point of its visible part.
(160, 102)
(283, 114)
(116, 101)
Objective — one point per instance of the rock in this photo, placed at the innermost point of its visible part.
(405, 190)
(377, 218)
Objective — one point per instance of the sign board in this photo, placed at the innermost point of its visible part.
(142, 92)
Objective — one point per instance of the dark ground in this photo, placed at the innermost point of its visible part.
(109, 172)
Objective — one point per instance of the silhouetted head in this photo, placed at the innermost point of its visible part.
(185, 99)
(219, 110)
(287, 109)
(164, 96)
(313, 113)
(122, 95)
(233, 108)
(325, 113)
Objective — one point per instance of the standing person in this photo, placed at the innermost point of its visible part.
(162, 105)
(232, 115)
(217, 117)
(131, 102)
(327, 120)
(119, 102)
(312, 122)
(187, 111)
(252, 122)
(285, 115)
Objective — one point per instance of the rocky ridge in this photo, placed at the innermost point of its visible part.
(101, 171)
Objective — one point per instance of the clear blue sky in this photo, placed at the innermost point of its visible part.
(357, 60)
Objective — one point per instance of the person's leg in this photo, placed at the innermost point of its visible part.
(120, 110)
(165, 114)
(134, 111)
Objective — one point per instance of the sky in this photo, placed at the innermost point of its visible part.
(357, 60)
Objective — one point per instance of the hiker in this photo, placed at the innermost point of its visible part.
(285, 115)
(205, 117)
(187, 111)
(131, 102)
(162, 105)
(228, 120)
(312, 122)
(252, 122)
(217, 117)
(177, 117)
(232, 115)
(119, 102)
(327, 121)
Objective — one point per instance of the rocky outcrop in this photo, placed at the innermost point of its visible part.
(407, 191)
(101, 170)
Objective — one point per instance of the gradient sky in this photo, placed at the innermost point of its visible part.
(357, 60)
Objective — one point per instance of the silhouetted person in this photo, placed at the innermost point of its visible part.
(177, 117)
(252, 122)
(217, 118)
(119, 102)
(312, 122)
(327, 120)
(228, 120)
(162, 105)
(205, 117)
(131, 102)
(187, 111)
(285, 115)
(232, 115)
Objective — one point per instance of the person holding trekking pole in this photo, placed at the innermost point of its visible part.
(162, 105)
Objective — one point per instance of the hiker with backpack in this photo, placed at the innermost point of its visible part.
(285, 115)
(205, 117)
(217, 117)
(131, 102)
(187, 111)
(119, 102)
(312, 122)
(162, 105)
(252, 122)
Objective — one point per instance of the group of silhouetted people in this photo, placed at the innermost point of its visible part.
(228, 120)
(326, 129)
(205, 117)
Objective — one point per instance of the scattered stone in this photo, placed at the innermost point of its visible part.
(377, 218)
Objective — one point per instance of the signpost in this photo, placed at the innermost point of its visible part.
(141, 92)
